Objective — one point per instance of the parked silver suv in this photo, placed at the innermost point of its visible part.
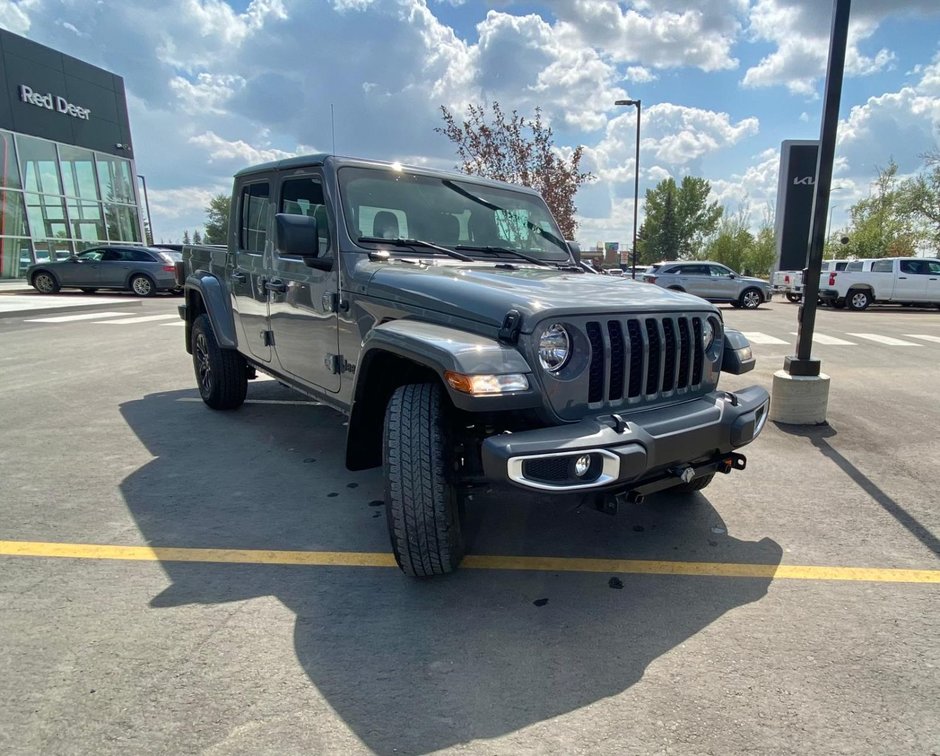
(712, 281)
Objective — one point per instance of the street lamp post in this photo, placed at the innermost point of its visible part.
(143, 181)
(829, 227)
(636, 173)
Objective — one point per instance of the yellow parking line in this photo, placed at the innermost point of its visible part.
(472, 561)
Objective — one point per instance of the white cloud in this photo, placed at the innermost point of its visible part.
(239, 151)
(640, 75)
(14, 15)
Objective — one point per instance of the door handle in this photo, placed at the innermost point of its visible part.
(275, 285)
(239, 276)
(902, 278)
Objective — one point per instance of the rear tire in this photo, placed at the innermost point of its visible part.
(421, 502)
(222, 374)
(794, 297)
(45, 283)
(694, 485)
(142, 285)
(858, 300)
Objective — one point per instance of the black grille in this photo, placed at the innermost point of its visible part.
(617, 357)
(644, 357)
(596, 385)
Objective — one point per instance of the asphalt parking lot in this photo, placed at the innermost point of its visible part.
(175, 580)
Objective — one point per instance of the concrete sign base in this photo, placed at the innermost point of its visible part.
(799, 400)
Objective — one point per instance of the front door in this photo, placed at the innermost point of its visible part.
(911, 285)
(303, 299)
(249, 270)
(722, 284)
(81, 270)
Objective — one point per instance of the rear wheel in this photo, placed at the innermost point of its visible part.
(142, 286)
(858, 299)
(222, 374)
(750, 299)
(45, 283)
(421, 501)
(794, 297)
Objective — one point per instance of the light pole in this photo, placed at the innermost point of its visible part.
(636, 173)
(143, 181)
(829, 227)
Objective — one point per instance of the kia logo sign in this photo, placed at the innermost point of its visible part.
(52, 102)
(805, 181)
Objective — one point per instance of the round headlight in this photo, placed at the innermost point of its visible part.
(708, 333)
(554, 348)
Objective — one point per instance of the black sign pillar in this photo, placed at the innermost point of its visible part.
(802, 363)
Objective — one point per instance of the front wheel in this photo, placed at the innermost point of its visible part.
(45, 283)
(222, 374)
(421, 502)
(696, 484)
(750, 299)
(858, 300)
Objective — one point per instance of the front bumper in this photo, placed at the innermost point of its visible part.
(649, 451)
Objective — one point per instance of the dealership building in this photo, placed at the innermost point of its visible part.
(67, 174)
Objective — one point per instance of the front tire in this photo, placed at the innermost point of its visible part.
(696, 484)
(45, 283)
(143, 286)
(858, 300)
(750, 299)
(421, 502)
(222, 374)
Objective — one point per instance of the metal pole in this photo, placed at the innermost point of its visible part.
(829, 227)
(147, 205)
(636, 184)
(802, 363)
(636, 173)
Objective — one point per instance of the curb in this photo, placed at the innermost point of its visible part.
(65, 310)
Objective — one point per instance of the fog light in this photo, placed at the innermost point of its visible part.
(581, 465)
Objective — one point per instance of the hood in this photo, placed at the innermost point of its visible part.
(485, 294)
(753, 280)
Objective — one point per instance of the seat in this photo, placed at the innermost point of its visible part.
(385, 225)
(448, 229)
(482, 227)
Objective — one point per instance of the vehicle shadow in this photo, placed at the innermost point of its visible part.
(413, 666)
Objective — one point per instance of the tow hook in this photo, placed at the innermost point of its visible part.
(617, 423)
(732, 461)
(685, 473)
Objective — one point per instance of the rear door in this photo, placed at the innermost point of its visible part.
(114, 268)
(304, 299)
(250, 265)
(933, 281)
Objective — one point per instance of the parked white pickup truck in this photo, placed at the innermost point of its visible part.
(790, 282)
(896, 280)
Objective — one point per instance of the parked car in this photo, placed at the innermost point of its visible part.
(712, 281)
(142, 270)
(890, 280)
(790, 282)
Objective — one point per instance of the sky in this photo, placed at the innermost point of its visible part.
(215, 86)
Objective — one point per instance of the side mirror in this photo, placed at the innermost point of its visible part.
(296, 235)
(575, 249)
(71, 258)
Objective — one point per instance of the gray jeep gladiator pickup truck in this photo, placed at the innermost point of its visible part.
(451, 323)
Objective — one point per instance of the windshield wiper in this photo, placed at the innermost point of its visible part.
(501, 251)
(400, 242)
(560, 243)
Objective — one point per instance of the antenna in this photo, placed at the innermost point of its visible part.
(333, 129)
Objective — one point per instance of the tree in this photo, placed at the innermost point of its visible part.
(500, 148)
(882, 224)
(217, 210)
(148, 233)
(185, 237)
(731, 243)
(921, 197)
(197, 239)
(678, 219)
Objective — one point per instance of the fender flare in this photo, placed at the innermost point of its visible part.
(215, 303)
(408, 351)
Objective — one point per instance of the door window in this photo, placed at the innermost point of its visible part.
(719, 271)
(92, 255)
(304, 196)
(112, 255)
(882, 266)
(253, 228)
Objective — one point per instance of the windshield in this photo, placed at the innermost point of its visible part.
(449, 212)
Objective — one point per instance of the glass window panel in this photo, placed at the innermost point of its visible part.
(55, 250)
(87, 221)
(15, 257)
(38, 165)
(78, 172)
(12, 214)
(46, 216)
(83, 245)
(122, 223)
(114, 176)
(9, 174)
(254, 212)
